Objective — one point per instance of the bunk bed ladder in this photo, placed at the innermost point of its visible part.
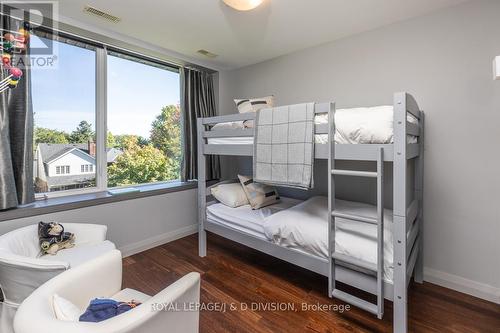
(378, 268)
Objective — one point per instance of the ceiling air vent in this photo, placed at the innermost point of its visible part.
(207, 54)
(99, 13)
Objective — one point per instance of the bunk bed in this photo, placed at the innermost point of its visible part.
(405, 147)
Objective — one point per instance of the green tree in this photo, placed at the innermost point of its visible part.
(110, 140)
(121, 139)
(166, 134)
(83, 133)
(46, 135)
(139, 165)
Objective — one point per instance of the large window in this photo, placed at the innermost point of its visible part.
(73, 148)
(143, 122)
(64, 106)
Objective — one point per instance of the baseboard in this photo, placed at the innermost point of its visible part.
(463, 285)
(158, 240)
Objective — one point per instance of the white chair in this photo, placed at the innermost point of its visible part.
(102, 277)
(22, 270)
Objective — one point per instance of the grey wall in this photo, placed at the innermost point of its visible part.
(445, 61)
(133, 225)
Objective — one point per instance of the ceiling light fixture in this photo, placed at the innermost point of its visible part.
(243, 5)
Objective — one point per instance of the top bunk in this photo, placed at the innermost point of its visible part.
(359, 133)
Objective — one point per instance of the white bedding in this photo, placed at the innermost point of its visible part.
(373, 125)
(248, 140)
(305, 226)
(302, 226)
(244, 218)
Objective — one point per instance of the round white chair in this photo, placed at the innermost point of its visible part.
(22, 269)
(172, 310)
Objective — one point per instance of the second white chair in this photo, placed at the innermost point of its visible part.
(174, 310)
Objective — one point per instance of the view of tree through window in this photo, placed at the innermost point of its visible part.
(143, 120)
(64, 121)
(144, 135)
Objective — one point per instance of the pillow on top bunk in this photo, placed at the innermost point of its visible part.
(228, 126)
(259, 195)
(253, 105)
(231, 195)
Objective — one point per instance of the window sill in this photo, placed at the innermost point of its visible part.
(63, 203)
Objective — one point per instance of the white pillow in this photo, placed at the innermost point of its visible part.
(231, 195)
(253, 105)
(258, 195)
(64, 309)
(228, 125)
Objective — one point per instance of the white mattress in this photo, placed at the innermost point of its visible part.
(305, 227)
(373, 125)
(244, 218)
(248, 140)
(302, 226)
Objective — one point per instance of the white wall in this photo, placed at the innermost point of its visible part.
(445, 61)
(133, 225)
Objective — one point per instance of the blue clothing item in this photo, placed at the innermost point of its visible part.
(101, 309)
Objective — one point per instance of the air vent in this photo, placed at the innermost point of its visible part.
(99, 13)
(207, 54)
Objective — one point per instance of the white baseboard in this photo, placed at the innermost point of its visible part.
(462, 285)
(158, 240)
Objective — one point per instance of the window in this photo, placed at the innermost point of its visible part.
(64, 105)
(87, 168)
(61, 170)
(144, 132)
(142, 143)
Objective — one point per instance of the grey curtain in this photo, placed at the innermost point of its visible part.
(16, 135)
(197, 100)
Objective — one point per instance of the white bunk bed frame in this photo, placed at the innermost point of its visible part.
(407, 219)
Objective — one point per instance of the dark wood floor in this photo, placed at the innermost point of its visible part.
(232, 273)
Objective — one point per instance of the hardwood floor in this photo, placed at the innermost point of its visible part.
(235, 274)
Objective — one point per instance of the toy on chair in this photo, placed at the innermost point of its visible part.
(53, 238)
(12, 42)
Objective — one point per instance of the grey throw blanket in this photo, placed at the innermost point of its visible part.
(284, 146)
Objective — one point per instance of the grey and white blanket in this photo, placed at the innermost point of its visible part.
(284, 146)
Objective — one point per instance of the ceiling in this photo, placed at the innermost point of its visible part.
(275, 28)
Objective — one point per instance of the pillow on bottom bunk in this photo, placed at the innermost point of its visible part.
(231, 195)
(259, 195)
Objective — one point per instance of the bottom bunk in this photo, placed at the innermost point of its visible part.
(296, 231)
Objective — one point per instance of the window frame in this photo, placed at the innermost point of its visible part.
(101, 53)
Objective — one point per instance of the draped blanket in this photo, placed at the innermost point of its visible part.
(284, 146)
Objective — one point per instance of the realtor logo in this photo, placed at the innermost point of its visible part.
(40, 18)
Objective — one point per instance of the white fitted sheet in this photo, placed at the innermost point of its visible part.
(302, 226)
(246, 219)
(305, 226)
(248, 140)
(371, 125)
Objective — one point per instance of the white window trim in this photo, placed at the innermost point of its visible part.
(101, 121)
(58, 194)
